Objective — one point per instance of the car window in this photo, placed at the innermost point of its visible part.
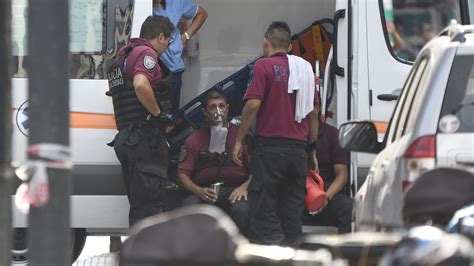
(407, 99)
(458, 102)
(398, 108)
(410, 24)
(418, 100)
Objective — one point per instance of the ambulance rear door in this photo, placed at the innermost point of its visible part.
(340, 61)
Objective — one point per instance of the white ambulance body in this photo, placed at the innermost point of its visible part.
(230, 38)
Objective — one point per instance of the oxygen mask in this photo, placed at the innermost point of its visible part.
(218, 117)
(218, 132)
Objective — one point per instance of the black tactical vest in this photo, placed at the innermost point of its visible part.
(127, 108)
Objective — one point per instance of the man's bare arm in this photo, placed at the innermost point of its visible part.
(248, 116)
(340, 181)
(204, 193)
(313, 119)
(145, 94)
(198, 21)
(185, 182)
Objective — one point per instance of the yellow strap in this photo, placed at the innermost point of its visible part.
(318, 45)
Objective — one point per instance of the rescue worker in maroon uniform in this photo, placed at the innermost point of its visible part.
(201, 164)
(279, 159)
(333, 168)
(139, 85)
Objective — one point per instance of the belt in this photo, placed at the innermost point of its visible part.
(140, 124)
(281, 142)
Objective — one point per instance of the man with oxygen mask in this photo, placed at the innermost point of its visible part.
(206, 170)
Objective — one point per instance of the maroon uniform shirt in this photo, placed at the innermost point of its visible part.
(329, 153)
(276, 116)
(204, 173)
(143, 60)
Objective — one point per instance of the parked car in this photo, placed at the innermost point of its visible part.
(432, 126)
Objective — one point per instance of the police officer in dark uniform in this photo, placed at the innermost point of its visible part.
(205, 160)
(139, 85)
(279, 159)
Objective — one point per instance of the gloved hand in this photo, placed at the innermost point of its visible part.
(163, 119)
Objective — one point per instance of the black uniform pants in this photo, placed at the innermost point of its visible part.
(238, 211)
(337, 213)
(143, 153)
(277, 191)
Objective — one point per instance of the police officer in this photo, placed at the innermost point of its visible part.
(332, 162)
(139, 85)
(205, 160)
(279, 160)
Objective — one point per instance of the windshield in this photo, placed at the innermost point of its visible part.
(410, 24)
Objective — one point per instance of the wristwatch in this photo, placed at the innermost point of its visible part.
(311, 146)
(186, 34)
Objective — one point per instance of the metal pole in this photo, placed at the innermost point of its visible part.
(6, 173)
(49, 237)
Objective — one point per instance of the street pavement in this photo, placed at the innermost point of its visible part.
(96, 253)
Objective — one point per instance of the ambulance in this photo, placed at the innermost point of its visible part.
(363, 50)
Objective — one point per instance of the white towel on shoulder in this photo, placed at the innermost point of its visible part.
(301, 80)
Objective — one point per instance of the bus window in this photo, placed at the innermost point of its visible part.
(410, 24)
(97, 30)
(19, 42)
(86, 27)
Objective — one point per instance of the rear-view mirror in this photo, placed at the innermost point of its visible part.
(359, 136)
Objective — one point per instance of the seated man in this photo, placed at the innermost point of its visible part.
(332, 162)
(206, 159)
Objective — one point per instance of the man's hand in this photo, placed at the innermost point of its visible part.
(238, 193)
(162, 119)
(169, 129)
(237, 153)
(391, 28)
(313, 161)
(326, 202)
(207, 195)
(165, 119)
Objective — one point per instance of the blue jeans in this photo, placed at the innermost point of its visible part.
(177, 82)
